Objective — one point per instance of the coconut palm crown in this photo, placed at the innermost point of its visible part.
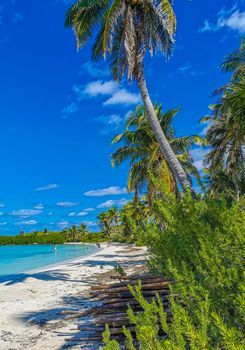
(127, 30)
(142, 150)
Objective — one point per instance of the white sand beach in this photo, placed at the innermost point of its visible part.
(31, 304)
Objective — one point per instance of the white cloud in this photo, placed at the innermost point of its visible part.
(99, 87)
(118, 95)
(39, 206)
(188, 70)
(113, 190)
(47, 187)
(25, 213)
(123, 97)
(111, 203)
(50, 213)
(236, 22)
(207, 27)
(185, 68)
(67, 204)
(3, 223)
(81, 213)
(2, 205)
(63, 224)
(28, 222)
(93, 70)
(70, 109)
(90, 223)
(1, 213)
(111, 123)
(89, 209)
(231, 18)
(198, 155)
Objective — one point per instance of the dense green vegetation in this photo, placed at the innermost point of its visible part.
(34, 237)
(197, 239)
(200, 244)
(73, 234)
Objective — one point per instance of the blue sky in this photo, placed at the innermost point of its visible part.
(59, 112)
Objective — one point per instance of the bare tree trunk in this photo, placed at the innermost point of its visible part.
(161, 138)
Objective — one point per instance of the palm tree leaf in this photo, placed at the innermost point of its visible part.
(118, 138)
(111, 19)
(84, 16)
(206, 119)
(169, 15)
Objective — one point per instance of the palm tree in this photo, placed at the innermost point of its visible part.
(218, 183)
(132, 216)
(143, 151)
(128, 30)
(107, 220)
(72, 234)
(235, 63)
(226, 133)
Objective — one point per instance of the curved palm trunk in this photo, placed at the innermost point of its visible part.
(161, 138)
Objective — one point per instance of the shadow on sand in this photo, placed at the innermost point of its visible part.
(53, 275)
(52, 320)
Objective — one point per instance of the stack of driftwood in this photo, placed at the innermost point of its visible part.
(109, 304)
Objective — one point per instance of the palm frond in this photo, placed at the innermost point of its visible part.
(84, 16)
(116, 10)
(169, 15)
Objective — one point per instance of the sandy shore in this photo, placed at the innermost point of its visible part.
(31, 302)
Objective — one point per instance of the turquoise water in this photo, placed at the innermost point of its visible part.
(21, 258)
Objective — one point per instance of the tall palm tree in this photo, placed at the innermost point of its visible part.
(127, 30)
(226, 133)
(143, 151)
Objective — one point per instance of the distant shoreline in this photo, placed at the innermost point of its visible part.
(53, 259)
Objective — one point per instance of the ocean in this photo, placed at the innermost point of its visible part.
(16, 259)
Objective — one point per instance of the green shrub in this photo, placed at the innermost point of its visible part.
(154, 332)
(200, 244)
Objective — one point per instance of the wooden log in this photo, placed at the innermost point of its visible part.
(94, 338)
(133, 282)
(147, 286)
(119, 321)
(149, 298)
(134, 277)
(122, 306)
(107, 310)
(128, 294)
(115, 330)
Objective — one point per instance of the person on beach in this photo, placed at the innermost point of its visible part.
(55, 248)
